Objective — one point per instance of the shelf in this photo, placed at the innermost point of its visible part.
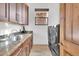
(41, 9)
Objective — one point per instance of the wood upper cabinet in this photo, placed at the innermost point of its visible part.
(19, 12)
(62, 27)
(62, 21)
(25, 14)
(76, 23)
(68, 22)
(8, 12)
(65, 28)
(22, 13)
(12, 13)
(4, 11)
(70, 42)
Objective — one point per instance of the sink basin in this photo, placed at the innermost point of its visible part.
(4, 43)
(20, 36)
(3, 38)
(14, 37)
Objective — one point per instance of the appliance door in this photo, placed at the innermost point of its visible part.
(53, 40)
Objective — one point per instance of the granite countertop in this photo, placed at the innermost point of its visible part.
(8, 49)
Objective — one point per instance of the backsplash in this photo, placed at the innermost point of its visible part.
(6, 28)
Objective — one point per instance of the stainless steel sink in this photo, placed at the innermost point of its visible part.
(4, 43)
(13, 37)
(3, 38)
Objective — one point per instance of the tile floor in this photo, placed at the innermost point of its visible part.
(40, 50)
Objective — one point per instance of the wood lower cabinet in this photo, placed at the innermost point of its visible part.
(18, 51)
(69, 27)
(76, 23)
(24, 49)
(27, 45)
(68, 22)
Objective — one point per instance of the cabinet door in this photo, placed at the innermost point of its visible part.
(19, 12)
(20, 51)
(68, 22)
(76, 23)
(24, 14)
(4, 11)
(62, 19)
(65, 27)
(12, 16)
(71, 38)
(26, 46)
